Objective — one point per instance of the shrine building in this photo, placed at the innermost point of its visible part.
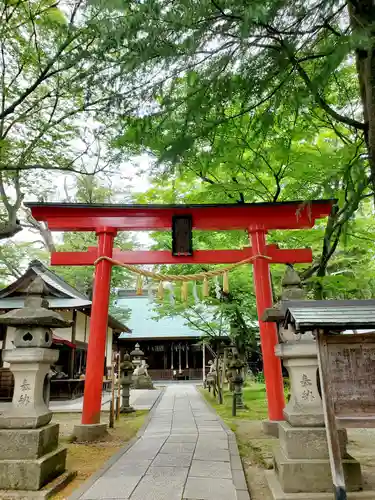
(169, 344)
(72, 342)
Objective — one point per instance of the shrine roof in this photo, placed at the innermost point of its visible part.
(143, 324)
(59, 293)
(337, 315)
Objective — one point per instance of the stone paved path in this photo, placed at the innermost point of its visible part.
(184, 453)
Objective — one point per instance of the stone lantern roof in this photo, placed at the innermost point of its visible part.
(35, 311)
(127, 364)
(291, 291)
(137, 351)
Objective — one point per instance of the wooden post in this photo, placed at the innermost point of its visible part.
(219, 392)
(234, 404)
(165, 357)
(112, 405)
(333, 441)
(72, 356)
(224, 367)
(204, 362)
(179, 359)
(118, 389)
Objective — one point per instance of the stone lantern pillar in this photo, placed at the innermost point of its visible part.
(237, 379)
(301, 462)
(29, 453)
(230, 373)
(126, 368)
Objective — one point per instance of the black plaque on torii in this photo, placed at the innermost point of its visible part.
(182, 235)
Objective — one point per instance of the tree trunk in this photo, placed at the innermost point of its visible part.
(362, 19)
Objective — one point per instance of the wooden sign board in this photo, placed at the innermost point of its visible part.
(347, 379)
(350, 375)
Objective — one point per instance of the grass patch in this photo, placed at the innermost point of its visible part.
(86, 459)
(254, 397)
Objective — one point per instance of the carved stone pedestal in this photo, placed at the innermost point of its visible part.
(301, 461)
(30, 455)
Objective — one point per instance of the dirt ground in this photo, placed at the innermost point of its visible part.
(256, 451)
(86, 459)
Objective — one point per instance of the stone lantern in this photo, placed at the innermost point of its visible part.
(229, 372)
(301, 461)
(29, 453)
(137, 356)
(126, 368)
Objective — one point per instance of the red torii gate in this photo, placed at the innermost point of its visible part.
(256, 218)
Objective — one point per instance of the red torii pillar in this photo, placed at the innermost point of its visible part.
(268, 331)
(98, 330)
(106, 220)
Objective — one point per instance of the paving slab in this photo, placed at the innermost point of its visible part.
(210, 469)
(202, 488)
(178, 448)
(174, 459)
(159, 486)
(106, 488)
(185, 452)
(209, 453)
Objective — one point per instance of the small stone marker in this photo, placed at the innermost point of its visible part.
(29, 453)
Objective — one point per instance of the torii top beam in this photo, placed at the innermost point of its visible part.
(264, 216)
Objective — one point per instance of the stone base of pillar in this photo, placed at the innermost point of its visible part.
(46, 492)
(32, 474)
(271, 427)
(86, 433)
(127, 409)
(28, 443)
(307, 442)
(301, 461)
(278, 493)
(30, 458)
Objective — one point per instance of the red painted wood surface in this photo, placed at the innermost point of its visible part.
(92, 400)
(288, 215)
(268, 331)
(138, 257)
